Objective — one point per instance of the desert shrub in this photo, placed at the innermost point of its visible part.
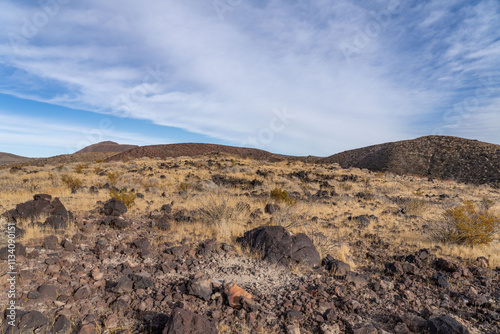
(325, 242)
(289, 217)
(80, 167)
(217, 208)
(113, 177)
(150, 183)
(280, 195)
(97, 170)
(73, 183)
(183, 186)
(467, 224)
(31, 185)
(414, 206)
(17, 168)
(126, 197)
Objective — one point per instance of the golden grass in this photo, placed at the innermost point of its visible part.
(144, 176)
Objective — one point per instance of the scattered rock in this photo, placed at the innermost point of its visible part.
(366, 329)
(445, 325)
(31, 321)
(200, 287)
(51, 242)
(82, 293)
(235, 295)
(394, 269)
(114, 207)
(336, 267)
(446, 265)
(182, 321)
(19, 249)
(272, 208)
(62, 325)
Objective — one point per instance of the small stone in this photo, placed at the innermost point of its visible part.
(68, 245)
(330, 328)
(62, 325)
(366, 329)
(82, 293)
(87, 329)
(336, 267)
(31, 321)
(294, 316)
(234, 295)
(48, 291)
(200, 287)
(184, 321)
(51, 242)
(394, 269)
(445, 325)
(272, 208)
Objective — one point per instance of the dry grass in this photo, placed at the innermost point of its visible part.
(218, 212)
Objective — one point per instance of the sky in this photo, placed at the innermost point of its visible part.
(295, 77)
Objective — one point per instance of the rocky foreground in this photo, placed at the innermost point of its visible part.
(115, 279)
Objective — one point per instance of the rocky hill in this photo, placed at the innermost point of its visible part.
(443, 157)
(106, 146)
(192, 149)
(7, 158)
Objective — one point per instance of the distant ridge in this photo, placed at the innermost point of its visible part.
(443, 157)
(192, 149)
(7, 158)
(106, 146)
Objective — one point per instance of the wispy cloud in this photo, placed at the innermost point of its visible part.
(223, 78)
(66, 138)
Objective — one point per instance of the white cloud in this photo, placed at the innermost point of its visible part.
(39, 131)
(223, 78)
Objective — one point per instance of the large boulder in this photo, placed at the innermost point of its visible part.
(42, 205)
(186, 322)
(277, 245)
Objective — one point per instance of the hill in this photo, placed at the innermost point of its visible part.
(7, 158)
(106, 146)
(443, 157)
(192, 149)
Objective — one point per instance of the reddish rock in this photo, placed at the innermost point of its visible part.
(235, 295)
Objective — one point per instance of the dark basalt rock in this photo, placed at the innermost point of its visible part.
(278, 245)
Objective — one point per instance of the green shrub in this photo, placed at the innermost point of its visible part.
(73, 183)
(280, 195)
(468, 225)
(126, 197)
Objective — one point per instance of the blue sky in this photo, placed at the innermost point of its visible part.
(295, 77)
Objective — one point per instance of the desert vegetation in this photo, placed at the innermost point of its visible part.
(348, 214)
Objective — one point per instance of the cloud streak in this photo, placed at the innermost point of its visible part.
(224, 78)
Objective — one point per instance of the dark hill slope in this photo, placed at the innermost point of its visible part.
(106, 146)
(7, 158)
(192, 149)
(443, 157)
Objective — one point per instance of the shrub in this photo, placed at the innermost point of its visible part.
(73, 183)
(126, 197)
(468, 225)
(80, 167)
(281, 195)
(216, 208)
(113, 177)
(414, 206)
